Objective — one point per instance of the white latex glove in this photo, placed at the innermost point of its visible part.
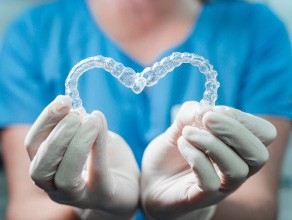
(59, 144)
(186, 170)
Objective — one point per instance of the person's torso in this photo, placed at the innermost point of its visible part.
(72, 35)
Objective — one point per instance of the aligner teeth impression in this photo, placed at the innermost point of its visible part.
(148, 77)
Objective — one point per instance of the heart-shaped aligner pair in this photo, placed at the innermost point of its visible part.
(148, 77)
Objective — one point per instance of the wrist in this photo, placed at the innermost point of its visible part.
(88, 214)
(206, 213)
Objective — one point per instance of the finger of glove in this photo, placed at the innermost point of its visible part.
(98, 161)
(184, 117)
(68, 178)
(45, 123)
(203, 169)
(260, 127)
(45, 163)
(237, 136)
(233, 169)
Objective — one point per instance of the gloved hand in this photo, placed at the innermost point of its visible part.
(59, 144)
(186, 170)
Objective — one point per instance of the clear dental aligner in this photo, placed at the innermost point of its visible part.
(148, 77)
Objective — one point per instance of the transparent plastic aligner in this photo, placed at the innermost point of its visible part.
(148, 77)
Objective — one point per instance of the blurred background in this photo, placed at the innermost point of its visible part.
(10, 8)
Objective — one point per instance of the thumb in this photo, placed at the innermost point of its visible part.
(99, 173)
(184, 117)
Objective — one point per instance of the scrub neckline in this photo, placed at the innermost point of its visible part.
(192, 33)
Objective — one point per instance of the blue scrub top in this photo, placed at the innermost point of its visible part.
(246, 43)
